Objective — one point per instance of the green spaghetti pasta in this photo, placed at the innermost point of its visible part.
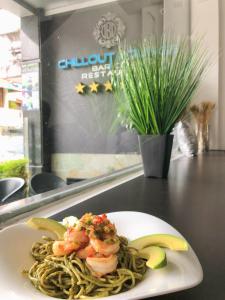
(69, 277)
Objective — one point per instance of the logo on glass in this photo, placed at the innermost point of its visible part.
(109, 30)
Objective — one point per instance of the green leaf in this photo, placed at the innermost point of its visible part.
(157, 81)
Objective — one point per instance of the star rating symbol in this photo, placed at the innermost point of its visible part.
(94, 87)
(108, 86)
(80, 88)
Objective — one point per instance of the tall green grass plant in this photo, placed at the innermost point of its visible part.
(157, 81)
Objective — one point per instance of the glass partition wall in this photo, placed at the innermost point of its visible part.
(68, 123)
(82, 135)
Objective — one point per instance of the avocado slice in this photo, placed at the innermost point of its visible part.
(164, 240)
(156, 257)
(47, 224)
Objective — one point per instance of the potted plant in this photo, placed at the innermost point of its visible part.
(154, 81)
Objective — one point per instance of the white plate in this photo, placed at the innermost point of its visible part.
(182, 272)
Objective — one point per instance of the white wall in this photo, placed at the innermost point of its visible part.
(204, 19)
(176, 17)
(222, 75)
(152, 20)
(200, 19)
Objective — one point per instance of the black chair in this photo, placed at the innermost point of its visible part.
(9, 186)
(44, 182)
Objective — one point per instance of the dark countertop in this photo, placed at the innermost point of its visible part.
(192, 200)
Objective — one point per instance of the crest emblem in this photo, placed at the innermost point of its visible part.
(109, 30)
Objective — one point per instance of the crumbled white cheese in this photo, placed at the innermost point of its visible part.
(70, 221)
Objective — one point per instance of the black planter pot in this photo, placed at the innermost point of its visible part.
(156, 154)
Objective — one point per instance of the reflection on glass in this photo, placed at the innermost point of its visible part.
(58, 115)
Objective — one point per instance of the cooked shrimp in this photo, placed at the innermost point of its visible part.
(105, 248)
(75, 235)
(88, 251)
(100, 266)
(61, 248)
